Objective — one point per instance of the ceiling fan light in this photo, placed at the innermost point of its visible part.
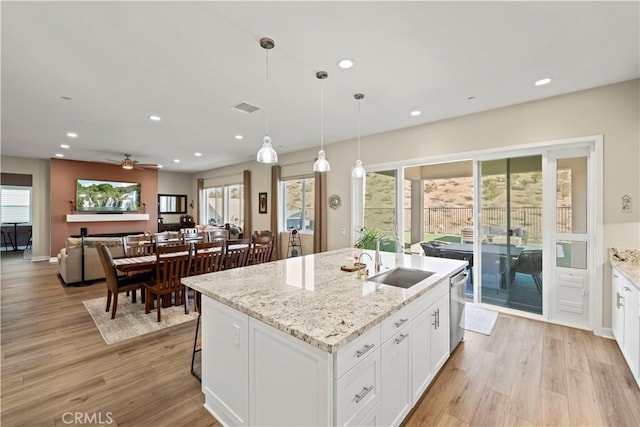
(267, 154)
(127, 166)
(358, 171)
(321, 164)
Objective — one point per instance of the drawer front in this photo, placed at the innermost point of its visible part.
(356, 351)
(398, 320)
(405, 315)
(358, 391)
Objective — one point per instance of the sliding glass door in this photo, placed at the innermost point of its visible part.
(509, 246)
(381, 216)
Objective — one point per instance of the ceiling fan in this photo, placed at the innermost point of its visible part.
(129, 163)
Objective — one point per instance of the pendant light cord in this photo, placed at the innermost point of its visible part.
(266, 106)
(358, 129)
(322, 116)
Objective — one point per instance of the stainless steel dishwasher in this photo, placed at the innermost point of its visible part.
(458, 283)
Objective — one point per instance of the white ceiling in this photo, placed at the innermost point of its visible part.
(190, 61)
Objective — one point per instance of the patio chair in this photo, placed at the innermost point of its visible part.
(529, 262)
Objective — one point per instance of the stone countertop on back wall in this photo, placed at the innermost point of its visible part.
(628, 262)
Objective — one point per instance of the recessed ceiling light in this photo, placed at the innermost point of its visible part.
(345, 63)
(155, 118)
(59, 155)
(176, 160)
(543, 82)
(238, 137)
(72, 134)
(415, 113)
(65, 146)
(197, 154)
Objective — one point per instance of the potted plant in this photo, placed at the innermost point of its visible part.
(367, 240)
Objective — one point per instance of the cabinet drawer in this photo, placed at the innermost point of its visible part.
(405, 315)
(356, 351)
(358, 391)
(400, 319)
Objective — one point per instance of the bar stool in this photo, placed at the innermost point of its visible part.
(6, 236)
(29, 243)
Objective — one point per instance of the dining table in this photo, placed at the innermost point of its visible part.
(490, 248)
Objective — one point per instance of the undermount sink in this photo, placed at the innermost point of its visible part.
(401, 277)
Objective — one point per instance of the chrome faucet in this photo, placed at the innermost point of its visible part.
(378, 261)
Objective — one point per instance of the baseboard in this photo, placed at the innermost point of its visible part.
(607, 333)
(52, 260)
(42, 258)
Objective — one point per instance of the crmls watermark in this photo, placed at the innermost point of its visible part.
(80, 418)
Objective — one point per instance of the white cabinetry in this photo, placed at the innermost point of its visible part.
(414, 354)
(626, 320)
(225, 343)
(255, 374)
(617, 311)
(429, 344)
(396, 378)
(287, 376)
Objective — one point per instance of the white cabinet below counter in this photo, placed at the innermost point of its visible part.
(626, 319)
(254, 374)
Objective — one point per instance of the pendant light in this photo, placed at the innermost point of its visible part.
(321, 165)
(267, 154)
(358, 171)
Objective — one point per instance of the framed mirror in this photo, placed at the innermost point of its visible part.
(172, 203)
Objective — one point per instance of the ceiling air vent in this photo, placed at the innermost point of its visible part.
(245, 107)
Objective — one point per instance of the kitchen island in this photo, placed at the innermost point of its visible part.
(300, 342)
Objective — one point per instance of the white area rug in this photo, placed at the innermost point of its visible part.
(478, 319)
(130, 320)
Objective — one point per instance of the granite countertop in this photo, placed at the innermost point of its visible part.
(628, 262)
(310, 298)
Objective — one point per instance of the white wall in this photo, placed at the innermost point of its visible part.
(39, 170)
(177, 183)
(612, 111)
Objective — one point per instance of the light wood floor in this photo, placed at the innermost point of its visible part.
(54, 361)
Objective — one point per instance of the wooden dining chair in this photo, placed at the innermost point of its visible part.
(166, 239)
(137, 245)
(117, 284)
(208, 257)
(172, 264)
(190, 235)
(262, 249)
(237, 253)
(217, 234)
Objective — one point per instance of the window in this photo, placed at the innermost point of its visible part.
(224, 205)
(298, 203)
(16, 204)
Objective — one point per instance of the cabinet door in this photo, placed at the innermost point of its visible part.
(225, 344)
(631, 327)
(395, 377)
(440, 334)
(289, 380)
(421, 373)
(617, 310)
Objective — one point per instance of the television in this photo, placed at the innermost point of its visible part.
(107, 196)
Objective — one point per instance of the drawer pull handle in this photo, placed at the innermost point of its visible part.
(400, 322)
(627, 289)
(401, 338)
(363, 393)
(366, 348)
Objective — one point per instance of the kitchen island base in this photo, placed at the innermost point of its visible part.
(255, 374)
